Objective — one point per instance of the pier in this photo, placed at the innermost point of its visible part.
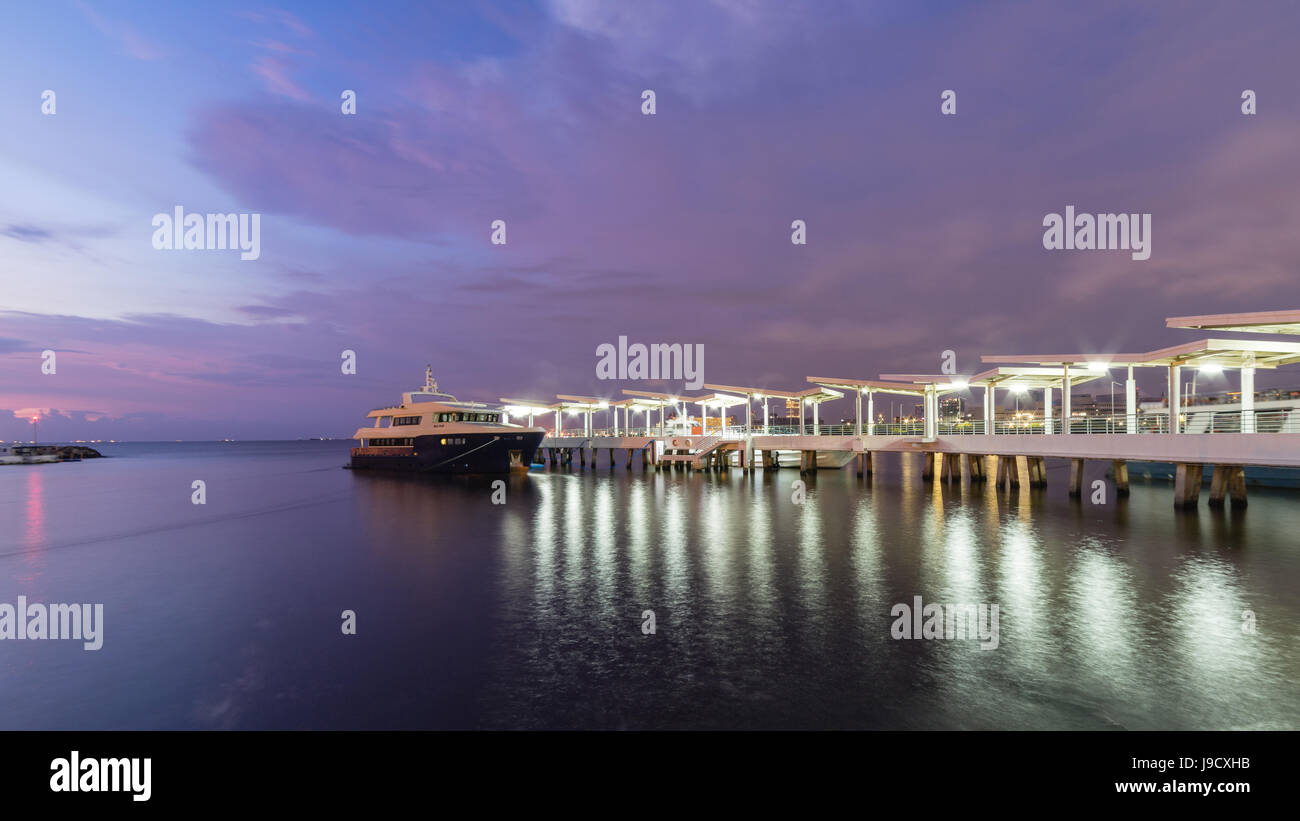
(1221, 439)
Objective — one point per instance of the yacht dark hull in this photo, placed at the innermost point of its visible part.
(487, 452)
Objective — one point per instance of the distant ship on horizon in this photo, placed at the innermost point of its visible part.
(443, 436)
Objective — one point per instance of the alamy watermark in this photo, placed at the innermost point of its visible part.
(1100, 232)
(79, 622)
(656, 361)
(77, 774)
(946, 621)
(179, 231)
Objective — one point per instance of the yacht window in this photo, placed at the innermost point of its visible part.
(406, 420)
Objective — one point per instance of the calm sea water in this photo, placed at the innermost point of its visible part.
(529, 614)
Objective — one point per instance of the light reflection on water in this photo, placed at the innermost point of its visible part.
(529, 614)
(776, 614)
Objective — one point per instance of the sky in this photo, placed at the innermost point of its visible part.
(924, 230)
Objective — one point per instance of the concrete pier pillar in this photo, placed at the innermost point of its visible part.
(1009, 468)
(864, 464)
(1120, 469)
(1237, 487)
(974, 465)
(1228, 480)
(951, 467)
(1038, 471)
(1187, 484)
(808, 461)
(1022, 475)
(927, 466)
(1076, 478)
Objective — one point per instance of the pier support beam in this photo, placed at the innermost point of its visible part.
(1024, 471)
(1228, 480)
(927, 466)
(1187, 482)
(1247, 401)
(1237, 487)
(864, 463)
(808, 461)
(1066, 391)
(1037, 466)
(974, 467)
(1009, 470)
(1120, 469)
(951, 468)
(1173, 394)
(1076, 478)
(1130, 408)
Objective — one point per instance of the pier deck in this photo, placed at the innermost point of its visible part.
(1188, 435)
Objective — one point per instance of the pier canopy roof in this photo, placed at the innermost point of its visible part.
(869, 385)
(818, 395)
(1096, 362)
(583, 402)
(718, 400)
(634, 404)
(1220, 353)
(1021, 378)
(659, 398)
(520, 407)
(1256, 322)
(1227, 353)
(579, 404)
(756, 393)
(942, 382)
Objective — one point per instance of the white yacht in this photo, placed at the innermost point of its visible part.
(443, 435)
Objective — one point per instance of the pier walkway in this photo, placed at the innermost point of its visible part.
(1225, 438)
